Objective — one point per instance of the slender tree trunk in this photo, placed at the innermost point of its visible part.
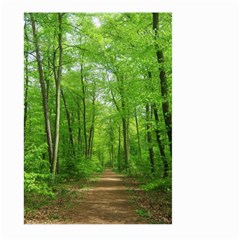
(84, 113)
(26, 87)
(128, 137)
(124, 123)
(91, 131)
(69, 122)
(159, 142)
(149, 138)
(58, 93)
(43, 91)
(119, 147)
(79, 130)
(26, 97)
(125, 141)
(163, 82)
(111, 142)
(138, 135)
(90, 141)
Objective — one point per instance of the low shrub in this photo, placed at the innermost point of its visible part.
(38, 183)
(158, 184)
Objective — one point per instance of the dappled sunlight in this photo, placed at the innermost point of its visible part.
(111, 179)
(117, 188)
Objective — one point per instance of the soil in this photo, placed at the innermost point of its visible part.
(105, 201)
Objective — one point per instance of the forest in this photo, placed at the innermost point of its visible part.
(97, 112)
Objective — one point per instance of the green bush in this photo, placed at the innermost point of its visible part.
(35, 183)
(158, 184)
(80, 168)
(33, 159)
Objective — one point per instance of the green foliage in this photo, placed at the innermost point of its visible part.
(36, 183)
(140, 167)
(33, 159)
(107, 63)
(142, 212)
(158, 184)
(80, 168)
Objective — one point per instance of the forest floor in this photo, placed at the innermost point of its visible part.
(104, 201)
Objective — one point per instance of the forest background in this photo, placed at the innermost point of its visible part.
(97, 93)
(190, 47)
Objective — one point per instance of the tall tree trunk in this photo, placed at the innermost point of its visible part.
(149, 138)
(58, 93)
(84, 113)
(91, 131)
(163, 82)
(90, 141)
(159, 142)
(69, 123)
(26, 96)
(124, 123)
(119, 147)
(43, 91)
(79, 130)
(125, 138)
(111, 142)
(26, 86)
(138, 135)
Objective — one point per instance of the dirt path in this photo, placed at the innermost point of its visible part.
(106, 202)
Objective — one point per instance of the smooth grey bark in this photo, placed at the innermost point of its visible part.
(119, 147)
(43, 91)
(58, 93)
(125, 136)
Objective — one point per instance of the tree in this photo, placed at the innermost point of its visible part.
(104, 84)
(26, 80)
(43, 91)
(163, 82)
(58, 93)
(149, 137)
